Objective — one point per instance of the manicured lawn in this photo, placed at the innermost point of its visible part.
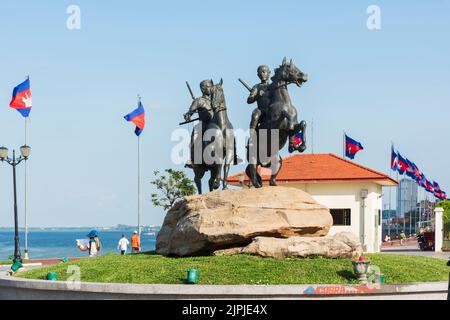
(245, 269)
(5, 263)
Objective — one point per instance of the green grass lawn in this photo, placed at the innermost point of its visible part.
(245, 269)
(5, 263)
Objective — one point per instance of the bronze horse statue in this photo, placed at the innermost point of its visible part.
(217, 145)
(279, 122)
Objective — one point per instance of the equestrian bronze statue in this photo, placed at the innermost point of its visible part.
(274, 121)
(212, 145)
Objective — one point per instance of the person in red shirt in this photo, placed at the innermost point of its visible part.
(135, 243)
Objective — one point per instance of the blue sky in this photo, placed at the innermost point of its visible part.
(380, 86)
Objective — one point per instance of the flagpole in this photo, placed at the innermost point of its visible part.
(312, 136)
(410, 216)
(398, 209)
(26, 257)
(420, 208)
(139, 178)
(390, 193)
(343, 145)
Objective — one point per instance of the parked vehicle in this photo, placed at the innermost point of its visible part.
(426, 240)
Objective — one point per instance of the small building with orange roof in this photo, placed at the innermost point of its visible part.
(352, 192)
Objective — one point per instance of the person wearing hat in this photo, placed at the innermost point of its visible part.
(135, 243)
(93, 245)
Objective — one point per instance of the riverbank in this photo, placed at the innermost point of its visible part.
(61, 243)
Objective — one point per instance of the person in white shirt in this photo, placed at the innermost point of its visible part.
(123, 245)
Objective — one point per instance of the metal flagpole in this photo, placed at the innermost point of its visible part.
(343, 145)
(139, 178)
(420, 207)
(312, 136)
(26, 257)
(410, 215)
(404, 212)
(398, 209)
(390, 195)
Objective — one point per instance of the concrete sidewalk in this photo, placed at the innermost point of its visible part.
(5, 270)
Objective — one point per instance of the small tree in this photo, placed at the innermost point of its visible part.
(172, 187)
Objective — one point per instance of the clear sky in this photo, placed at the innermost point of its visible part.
(380, 86)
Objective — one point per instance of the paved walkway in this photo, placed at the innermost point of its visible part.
(6, 269)
(413, 249)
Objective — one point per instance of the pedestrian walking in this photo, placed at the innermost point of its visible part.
(123, 245)
(135, 243)
(402, 237)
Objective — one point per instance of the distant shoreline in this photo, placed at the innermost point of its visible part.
(116, 228)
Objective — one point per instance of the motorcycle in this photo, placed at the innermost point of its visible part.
(426, 241)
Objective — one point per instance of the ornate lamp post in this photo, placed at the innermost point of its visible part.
(25, 153)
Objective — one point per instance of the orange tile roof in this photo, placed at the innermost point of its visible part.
(321, 168)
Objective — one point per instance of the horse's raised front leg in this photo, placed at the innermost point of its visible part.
(299, 127)
(302, 146)
(291, 115)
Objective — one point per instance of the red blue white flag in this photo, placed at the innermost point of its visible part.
(298, 139)
(402, 164)
(417, 173)
(352, 147)
(138, 118)
(21, 98)
(394, 166)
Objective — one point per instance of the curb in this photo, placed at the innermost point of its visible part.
(16, 288)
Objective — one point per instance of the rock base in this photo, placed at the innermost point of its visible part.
(202, 224)
(271, 222)
(341, 245)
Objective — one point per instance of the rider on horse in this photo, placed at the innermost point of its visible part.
(260, 95)
(205, 111)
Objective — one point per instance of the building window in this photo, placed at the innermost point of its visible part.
(341, 217)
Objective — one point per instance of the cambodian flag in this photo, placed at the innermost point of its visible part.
(394, 166)
(21, 98)
(352, 147)
(138, 118)
(429, 186)
(410, 169)
(422, 182)
(298, 139)
(437, 188)
(417, 173)
(402, 163)
(438, 193)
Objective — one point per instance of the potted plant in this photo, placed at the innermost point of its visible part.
(361, 266)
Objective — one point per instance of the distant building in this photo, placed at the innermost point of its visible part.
(425, 209)
(407, 198)
(388, 215)
(351, 191)
(407, 195)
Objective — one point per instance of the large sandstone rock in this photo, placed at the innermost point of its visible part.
(202, 224)
(342, 245)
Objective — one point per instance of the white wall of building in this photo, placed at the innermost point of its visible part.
(365, 217)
